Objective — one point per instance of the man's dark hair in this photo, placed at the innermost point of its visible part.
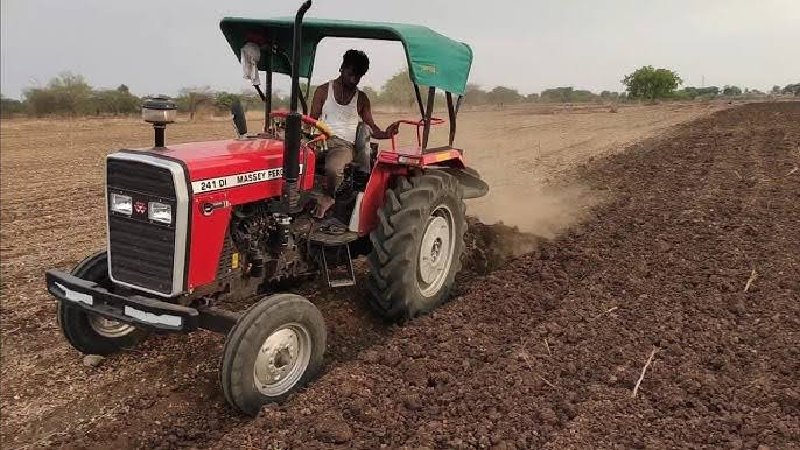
(356, 60)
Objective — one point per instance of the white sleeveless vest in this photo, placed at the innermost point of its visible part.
(343, 119)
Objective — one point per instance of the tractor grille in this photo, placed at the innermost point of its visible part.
(139, 176)
(142, 253)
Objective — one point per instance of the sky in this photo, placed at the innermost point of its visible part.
(161, 46)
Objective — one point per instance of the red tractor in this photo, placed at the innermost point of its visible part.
(193, 226)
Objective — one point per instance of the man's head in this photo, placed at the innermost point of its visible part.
(354, 65)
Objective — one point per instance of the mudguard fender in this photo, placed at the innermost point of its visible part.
(470, 181)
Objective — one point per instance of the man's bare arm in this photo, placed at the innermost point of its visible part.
(319, 99)
(366, 116)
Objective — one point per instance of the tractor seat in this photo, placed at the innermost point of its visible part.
(362, 159)
(364, 151)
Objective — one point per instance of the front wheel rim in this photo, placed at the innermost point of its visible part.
(282, 359)
(109, 328)
(436, 251)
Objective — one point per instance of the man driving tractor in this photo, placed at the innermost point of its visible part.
(342, 106)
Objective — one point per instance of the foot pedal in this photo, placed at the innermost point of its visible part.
(341, 282)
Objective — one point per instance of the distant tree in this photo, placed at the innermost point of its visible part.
(398, 90)
(583, 96)
(190, 99)
(649, 83)
(371, 94)
(40, 102)
(731, 91)
(113, 101)
(609, 96)
(251, 101)
(474, 95)
(691, 92)
(123, 88)
(67, 93)
(564, 94)
(793, 89)
(10, 106)
(223, 100)
(502, 95)
(72, 92)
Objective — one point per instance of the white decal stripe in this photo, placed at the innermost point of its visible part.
(148, 317)
(239, 179)
(78, 297)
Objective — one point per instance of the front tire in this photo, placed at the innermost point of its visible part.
(417, 246)
(90, 333)
(274, 349)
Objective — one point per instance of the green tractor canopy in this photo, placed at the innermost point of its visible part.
(433, 60)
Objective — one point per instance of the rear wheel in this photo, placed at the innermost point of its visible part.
(90, 333)
(417, 245)
(274, 349)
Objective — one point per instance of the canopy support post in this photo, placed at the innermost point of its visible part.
(291, 151)
(419, 101)
(302, 99)
(451, 112)
(427, 129)
(305, 102)
(268, 94)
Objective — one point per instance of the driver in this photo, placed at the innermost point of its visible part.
(342, 105)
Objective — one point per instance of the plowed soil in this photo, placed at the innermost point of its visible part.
(689, 267)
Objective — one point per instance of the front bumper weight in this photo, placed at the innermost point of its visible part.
(139, 310)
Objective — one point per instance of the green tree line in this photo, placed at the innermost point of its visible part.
(69, 94)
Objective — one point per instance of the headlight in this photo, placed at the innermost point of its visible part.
(122, 204)
(158, 115)
(159, 212)
(159, 110)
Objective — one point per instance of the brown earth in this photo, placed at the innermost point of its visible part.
(543, 352)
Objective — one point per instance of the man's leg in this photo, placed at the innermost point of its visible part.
(339, 154)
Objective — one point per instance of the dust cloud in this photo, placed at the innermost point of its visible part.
(510, 222)
(544, 211)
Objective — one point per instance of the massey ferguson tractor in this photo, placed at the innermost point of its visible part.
(193, 227)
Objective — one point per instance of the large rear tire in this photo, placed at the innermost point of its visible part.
(274, 349)
(89, 333)
(417, 245)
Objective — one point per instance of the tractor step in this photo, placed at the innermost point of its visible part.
(332, 239)
(347, 280)
(335, 244)
(341, 283)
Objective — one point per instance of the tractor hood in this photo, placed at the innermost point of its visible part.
(223, 158)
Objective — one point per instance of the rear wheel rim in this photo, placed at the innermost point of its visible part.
(109, 328)
(436, 251)
(282, 359)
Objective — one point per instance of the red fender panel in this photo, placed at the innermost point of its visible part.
(375, 195)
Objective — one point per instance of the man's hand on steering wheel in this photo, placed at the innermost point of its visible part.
(324, 129)
(393, 128)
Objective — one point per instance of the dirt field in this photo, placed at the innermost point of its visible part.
(653, 249)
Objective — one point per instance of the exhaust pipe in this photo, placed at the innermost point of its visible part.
(291, 152)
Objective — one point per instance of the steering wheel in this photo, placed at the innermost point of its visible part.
(324, 129)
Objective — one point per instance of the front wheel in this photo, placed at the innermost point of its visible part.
(417, 246)
(275, 348)
(90, 333)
